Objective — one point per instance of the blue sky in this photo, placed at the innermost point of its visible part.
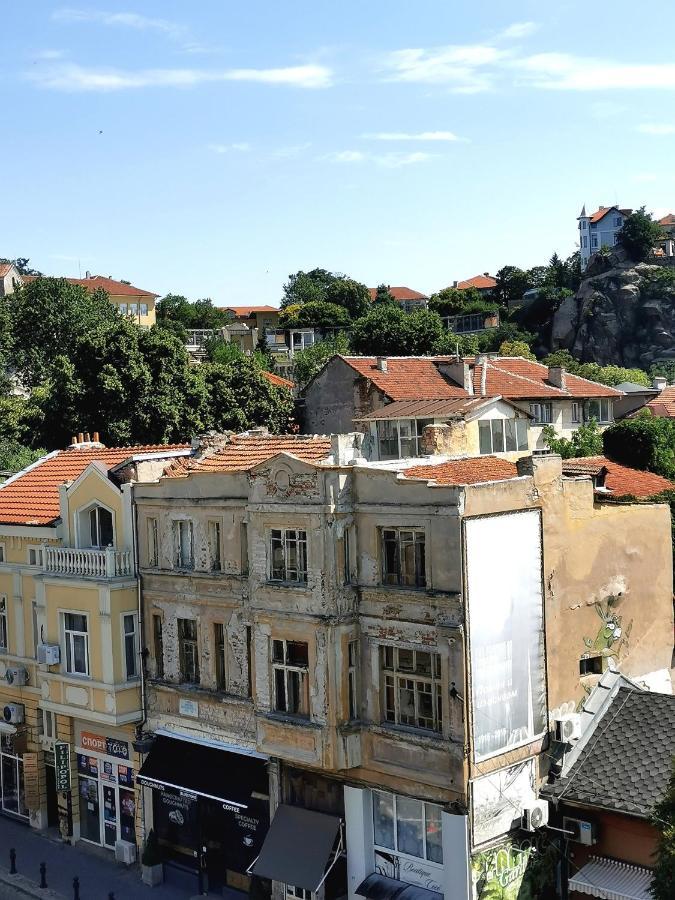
(211, 148)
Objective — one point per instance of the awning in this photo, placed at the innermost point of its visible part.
(298, 847)
(612, 880)
(214, 774)
(380, 887)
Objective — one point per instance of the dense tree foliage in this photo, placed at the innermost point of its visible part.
(663, 819)
(384, 295)
(174, 308)
(453, 301)
(516, 348)
(15, 456)
(389, 331)
(585, 441)
(351, 295)
(323, 287)
(610, 375)
(314, 314)
(639, 234)
(645, 442)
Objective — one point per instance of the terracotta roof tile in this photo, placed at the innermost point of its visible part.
(667, 220)
(408, 377)
(96, 282)
(245, 312)
(620, 480)
(475, 470)
(278, 381)
(245, 451)
(664, 405)
(455, 408)
(481, 282)
(32, 498)
(4, 269)
(400, 293)
(514, 377)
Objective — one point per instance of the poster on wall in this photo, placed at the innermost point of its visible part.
(516, 870)
(506, 630)
(412, 871)
(497, 801)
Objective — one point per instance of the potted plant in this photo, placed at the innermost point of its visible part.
(152, 870)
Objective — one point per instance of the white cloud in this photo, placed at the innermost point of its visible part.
(346, 156)
(121, 19)
(657, 128)
(240, 147)
(519, 30)
(465, 69)
(408, 136)
(563, 71)
(386, 160)
(80, 78)
(49, 54)
(292, 151)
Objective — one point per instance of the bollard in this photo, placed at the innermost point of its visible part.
(76, 888)
(12, 861)
(43, 875)
(111, 895)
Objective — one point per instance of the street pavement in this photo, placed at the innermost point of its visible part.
(96, 868)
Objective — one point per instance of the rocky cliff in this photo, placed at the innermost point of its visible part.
(622, 314)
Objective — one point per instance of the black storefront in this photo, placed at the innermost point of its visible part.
(210, 809)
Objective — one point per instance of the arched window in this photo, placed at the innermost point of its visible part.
(96, 527)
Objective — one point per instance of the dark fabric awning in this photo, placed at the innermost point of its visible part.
(379, 887)
(297, 847)
(215, 774)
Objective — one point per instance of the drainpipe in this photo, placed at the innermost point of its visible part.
(141, 618)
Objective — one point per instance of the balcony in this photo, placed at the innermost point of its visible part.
(70, 562)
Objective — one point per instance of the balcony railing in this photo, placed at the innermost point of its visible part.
(107, 563)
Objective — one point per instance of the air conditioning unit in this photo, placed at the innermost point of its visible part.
(13, 713)
(579, 831)
(17, 676)
(535, 816)
(125, 852)
(567, 728)
(49, 654)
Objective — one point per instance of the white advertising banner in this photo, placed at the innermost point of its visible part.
(498, 799)
(506, 630)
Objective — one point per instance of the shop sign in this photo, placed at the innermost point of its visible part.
(30, 780)
(106, 745)
(188, 707)
(62, 766)
(509, 871)
(412, 871)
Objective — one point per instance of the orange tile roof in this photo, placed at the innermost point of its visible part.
(475, 470)
(245, 312)
(4, 269)
(481, 282)
(32, 498)
(620, 480)
(514, 377)
(245, 451)
(664, 405)
(602, 211)
(97, 282)
(278, 381)
(667, 220)
(408, 377)
(400, 293)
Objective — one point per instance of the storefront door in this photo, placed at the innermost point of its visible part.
(12, 790)
(107, 800)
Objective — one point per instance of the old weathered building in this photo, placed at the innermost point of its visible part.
(372, 655)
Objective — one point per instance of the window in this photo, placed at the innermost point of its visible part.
(298, 893)
(616, 239)
(591, 665)
(352, 676)
(35, 556)
(183, 544)
(576, 412)
(542, 413)
(214, 546)
(188, 652)
(4, 643)
(347, 556)
(249, 659)
(400, 438)
(408, 826)
(34, 621)
(133, 309)
(100, 527)
(144, 309)
(290, 660)
(219, 642)
(243, 540)
(412, 688)
(403, 557)
(583, 224)
(594, 241)
(2, 553)
(289, 555)
(618, 221)
(584, 242)
(130, 638)
(77, 643)
(123, 309)
(499, 435)
(600, 410)
(158, 645)
(153, 542)
(46, 723)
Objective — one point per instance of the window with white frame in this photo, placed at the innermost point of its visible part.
(600, 410)
(4, 639)
(188, 651)
(502, 435)
(214, 545)
(130, 639)
(618, 221)
(288, 555)
(352, 679)
(35, 556)
(411, 688)
(123, 309)
(133, 309)
(100, 524)
(542, 413)
(183, 544)
(144, 309)
(584, 240)
(577, 412)
(407, 826)
(153, 541)
(290, 673)
(404, 557)
(594, 241)
(76, 639)
(2, 553)
(46, 723)
(400, 438)
(298, 893)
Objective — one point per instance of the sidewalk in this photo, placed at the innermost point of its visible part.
(97, 870)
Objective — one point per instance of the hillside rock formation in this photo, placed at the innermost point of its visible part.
(622, 314)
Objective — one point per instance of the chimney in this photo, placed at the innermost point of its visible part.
(459, 372)
(660, 383)
(87, 438)
(482, 361)
(96, 438)
(87, 274)
(346, 448)
(80, 438)
(487, 274)
(455, 283)
(382, 363)
(73, 441)
(556, 376)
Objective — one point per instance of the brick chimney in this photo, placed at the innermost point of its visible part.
(85, 441)
(482, 361)
(556, 376)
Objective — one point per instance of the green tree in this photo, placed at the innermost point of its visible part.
(516, 348)
(21, 263)
(389, 331)
(353, 296)
(512, 283)
(453, 301)
(307, 287)
(306, 363)
(15, 456)
(609, 375)
(241, 397)
(645, 442)
(174, 308)
(663, 819)
(384, 295)
(585, 441)
(314, 314)
(639, 234)
(663, 370)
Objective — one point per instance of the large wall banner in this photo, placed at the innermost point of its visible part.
(506, 630)
(498, 799)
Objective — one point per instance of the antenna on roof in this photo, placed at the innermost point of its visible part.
(79, 268)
